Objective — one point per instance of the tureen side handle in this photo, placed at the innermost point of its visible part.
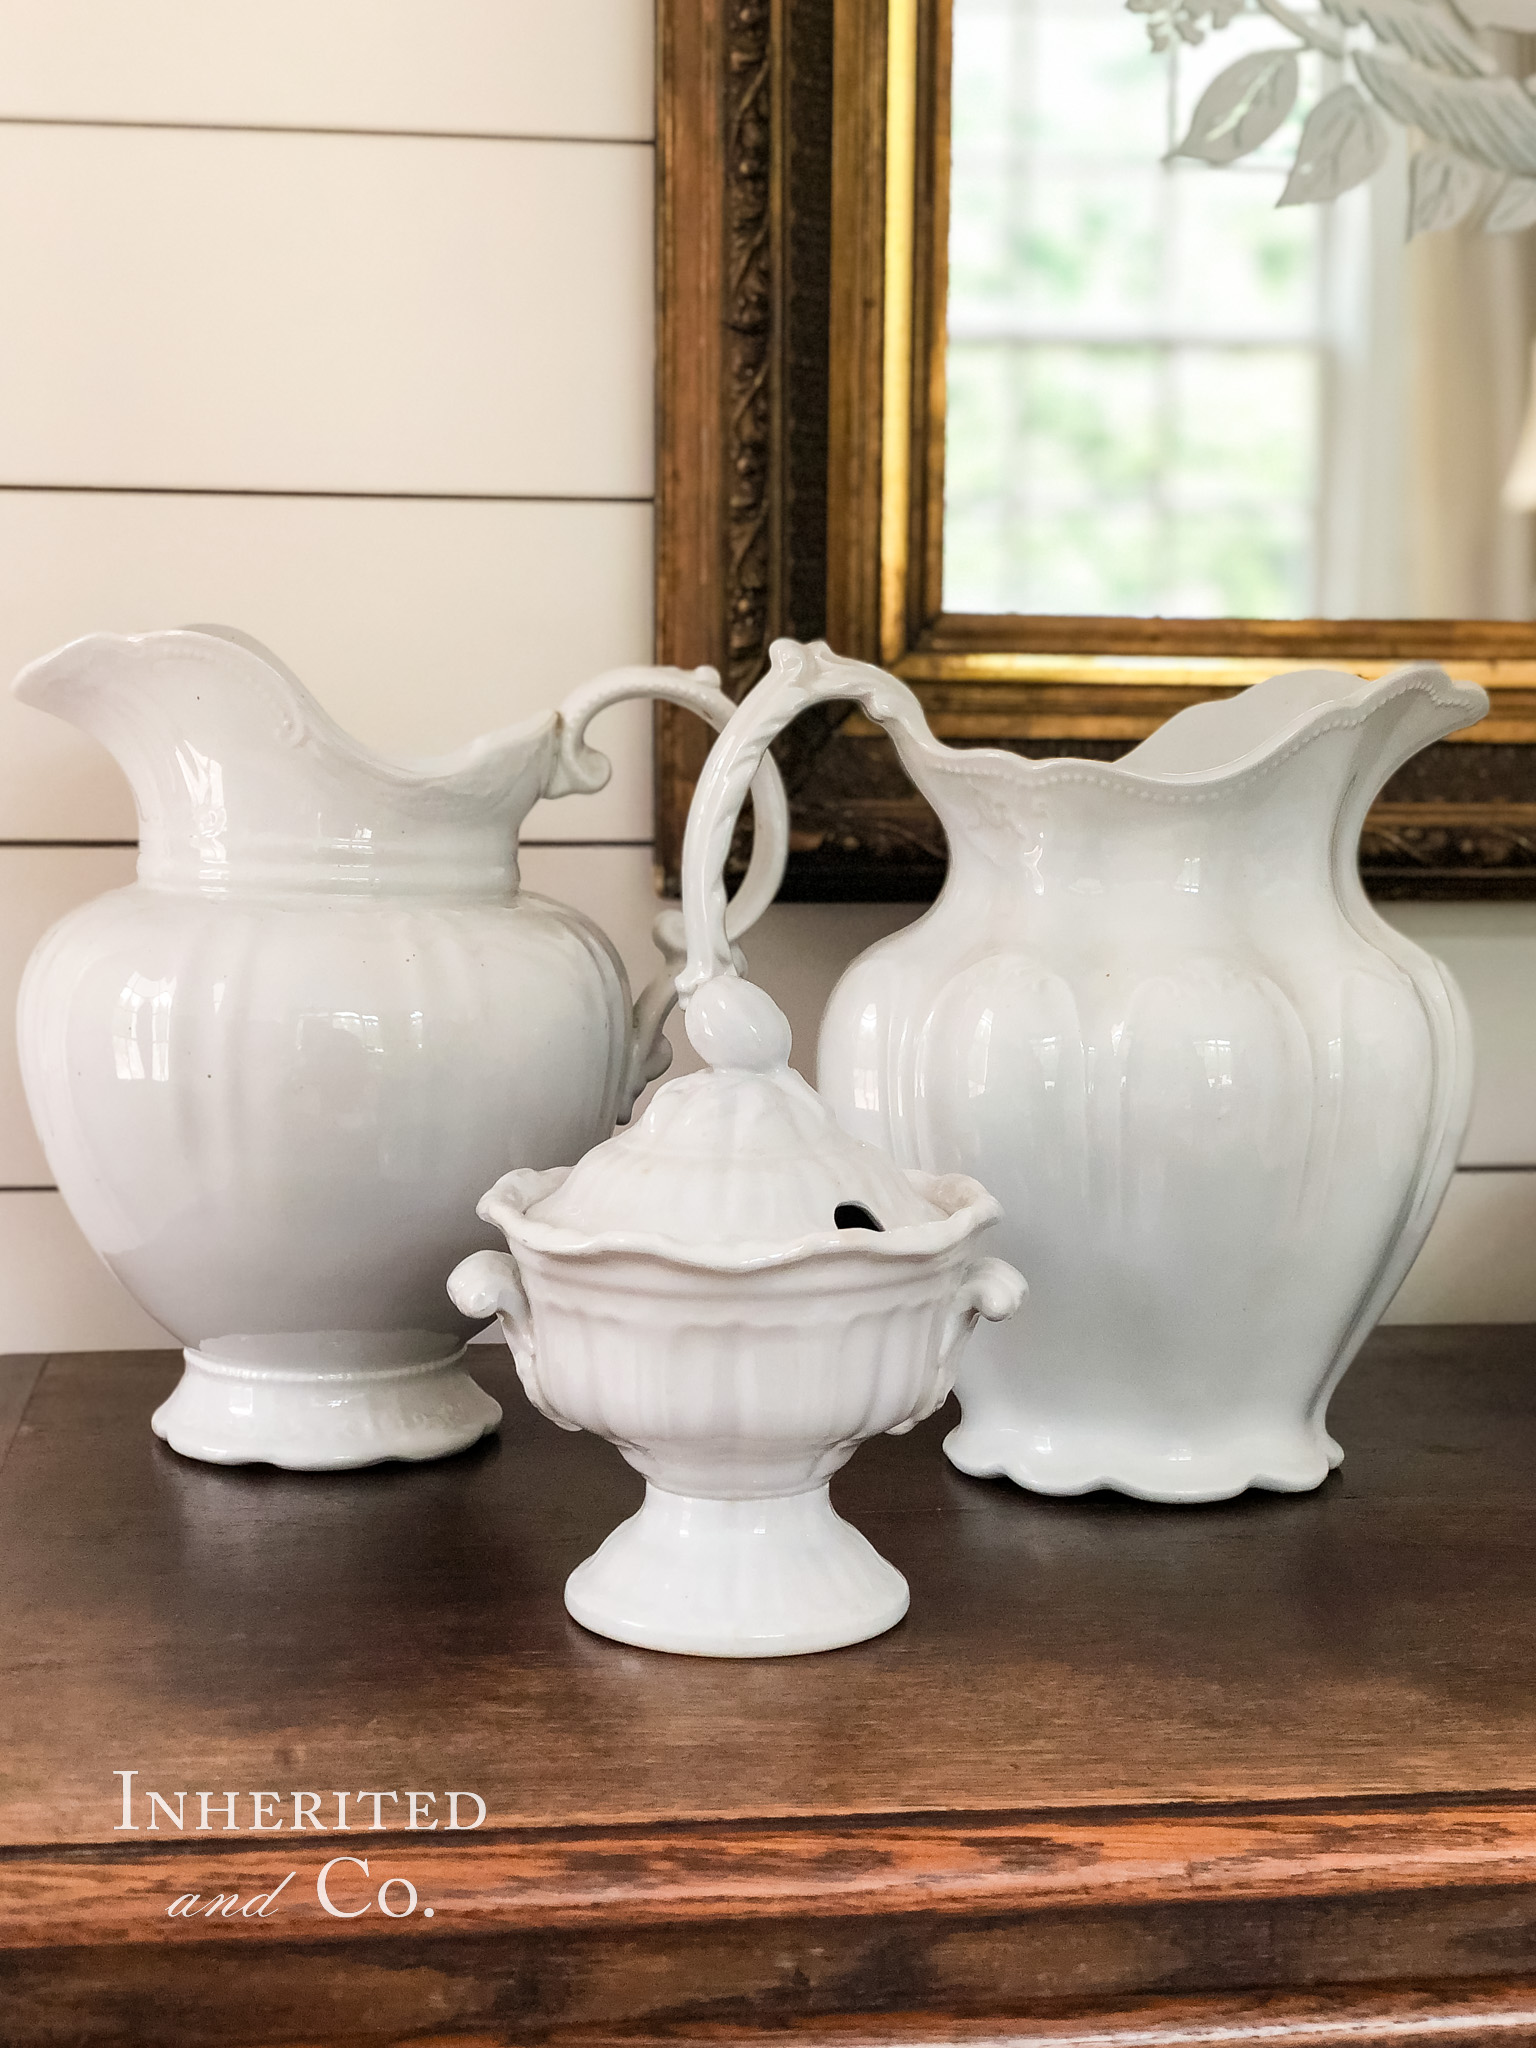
(578, 767)
(988, 1287)
(489, 1284)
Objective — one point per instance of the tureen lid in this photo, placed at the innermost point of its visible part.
(746, 1152)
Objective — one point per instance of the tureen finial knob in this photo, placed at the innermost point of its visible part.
(735, 1025)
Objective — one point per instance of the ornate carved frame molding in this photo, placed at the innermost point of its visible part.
(800, 389)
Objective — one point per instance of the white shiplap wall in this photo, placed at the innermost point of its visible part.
(332, 319)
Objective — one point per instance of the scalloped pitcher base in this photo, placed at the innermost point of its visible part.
(325, 1400)
(1275, 1460)
(737, 1578)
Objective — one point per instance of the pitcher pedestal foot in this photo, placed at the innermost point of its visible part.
(325, 1401)
(1274, 1459)
(737, 1578)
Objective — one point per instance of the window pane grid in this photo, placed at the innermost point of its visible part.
(1136, 347)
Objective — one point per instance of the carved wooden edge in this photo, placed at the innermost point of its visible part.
(1126, 1930)
(690, 376)
(880, 1868)
(719, 150)
(857, 327)
(1504, 2012)
(1366, 2018)
(1474, 2018)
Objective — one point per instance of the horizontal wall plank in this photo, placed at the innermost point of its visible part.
(1476, 1265)
(417, 624)
(1491, 950)
(55, 1294)
(506, 67)
(224, 310)
(37, 887)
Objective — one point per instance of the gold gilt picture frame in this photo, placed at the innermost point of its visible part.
(802, 234)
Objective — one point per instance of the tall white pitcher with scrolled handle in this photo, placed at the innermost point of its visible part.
(1155, 1014)
(274, 1076)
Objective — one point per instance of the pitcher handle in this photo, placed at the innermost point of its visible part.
(578, 767)
(797, 676)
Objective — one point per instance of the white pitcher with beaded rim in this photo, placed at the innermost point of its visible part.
(1154, 1012)
(274, 1076)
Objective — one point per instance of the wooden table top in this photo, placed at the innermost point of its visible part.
(1099, 1715)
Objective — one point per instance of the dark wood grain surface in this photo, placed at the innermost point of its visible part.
(1273, 1749)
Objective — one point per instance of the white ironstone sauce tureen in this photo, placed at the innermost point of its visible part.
(736, 1293)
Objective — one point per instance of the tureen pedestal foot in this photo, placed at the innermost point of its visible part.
(325, 1400)
(737, 1578)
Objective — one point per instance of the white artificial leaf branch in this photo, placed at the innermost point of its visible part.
(1513, 208)
(1185, 19)
(1343, 143)
(1490, 120)
(1443, 189)
(1313, 31)
(1242, 107)
(1421, 28)
(1425, 68)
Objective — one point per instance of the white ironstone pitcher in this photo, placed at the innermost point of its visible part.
(274, 1076)
(1154, 1012)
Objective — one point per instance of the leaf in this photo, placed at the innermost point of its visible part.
(1343, 142)
(1513, 209)
(1242, 107)
(1425, 30)
(1491, 120)
(1443, 188)
(1516, 14)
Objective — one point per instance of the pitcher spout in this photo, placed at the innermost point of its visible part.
(240, 776)
(1327, 741)
(1393, 717)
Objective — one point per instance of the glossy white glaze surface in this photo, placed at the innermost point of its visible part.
(273, 1076)
(1218, 1098)
(324, 1402)
(687, 1293)
(737, 1578)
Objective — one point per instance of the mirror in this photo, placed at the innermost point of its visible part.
(986, 352)
(1188, 375)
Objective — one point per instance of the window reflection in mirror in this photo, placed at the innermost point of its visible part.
(1169, 396)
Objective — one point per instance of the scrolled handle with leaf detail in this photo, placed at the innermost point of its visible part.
(577, 767)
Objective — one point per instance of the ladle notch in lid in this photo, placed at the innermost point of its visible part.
(746, 1153)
